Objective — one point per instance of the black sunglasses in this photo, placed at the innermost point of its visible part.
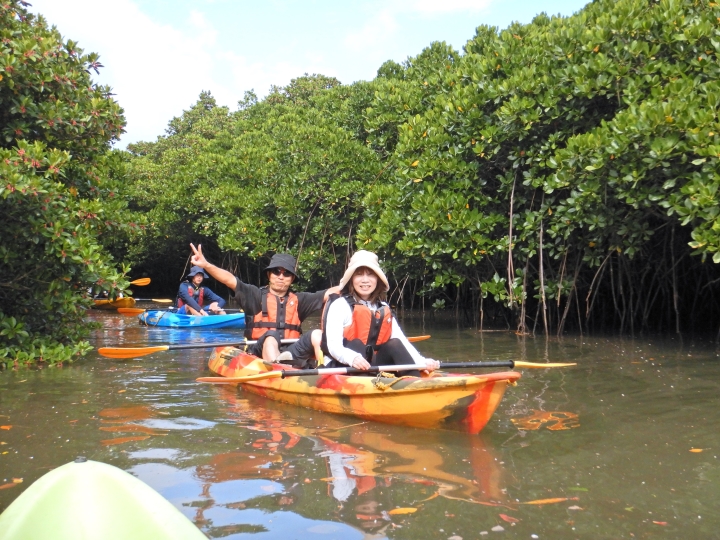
(281, 272)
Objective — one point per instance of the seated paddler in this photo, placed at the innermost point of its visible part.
(194, 298)
(273, 313)
(359, 328)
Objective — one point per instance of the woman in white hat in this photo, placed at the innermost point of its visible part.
(359, 330)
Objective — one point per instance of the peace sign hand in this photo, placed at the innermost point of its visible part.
(198, 259)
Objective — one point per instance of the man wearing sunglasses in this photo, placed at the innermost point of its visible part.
(273, 312)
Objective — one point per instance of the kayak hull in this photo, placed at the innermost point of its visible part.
(439, 401)
(91, 500)
(174, 320)
(125, 302)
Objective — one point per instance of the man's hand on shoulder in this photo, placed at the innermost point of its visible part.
(332, 290)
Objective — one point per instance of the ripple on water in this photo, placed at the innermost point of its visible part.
(277, 524)
(169, 454)
(181, 423)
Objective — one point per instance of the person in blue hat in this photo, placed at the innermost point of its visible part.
(195, 299)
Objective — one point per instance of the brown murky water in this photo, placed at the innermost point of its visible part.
(625, 445)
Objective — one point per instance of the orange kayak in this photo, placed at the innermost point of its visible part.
(125, 302)
(438, 401)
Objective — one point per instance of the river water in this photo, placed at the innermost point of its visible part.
(624, 445)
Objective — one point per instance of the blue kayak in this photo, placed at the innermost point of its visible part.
(173, 320)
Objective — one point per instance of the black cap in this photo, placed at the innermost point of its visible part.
(283, 260)
(197, 270)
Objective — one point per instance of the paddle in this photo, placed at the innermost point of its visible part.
(130, 311)
(138, 311)
(134, 352)
(141, 282)
(156, 300)
(281, 374)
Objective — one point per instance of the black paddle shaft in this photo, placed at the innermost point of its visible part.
(354, 371)
(207, 345)
(240, 341)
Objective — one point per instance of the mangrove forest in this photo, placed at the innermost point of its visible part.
(552, 177)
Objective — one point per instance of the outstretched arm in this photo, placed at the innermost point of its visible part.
(223, 276)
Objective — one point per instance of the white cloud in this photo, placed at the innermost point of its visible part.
(206, 33)
(447, 6)
(381, 28)
(155, 70)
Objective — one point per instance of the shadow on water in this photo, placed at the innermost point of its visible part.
(623, 446)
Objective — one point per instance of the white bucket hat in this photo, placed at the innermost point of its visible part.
(368, 260)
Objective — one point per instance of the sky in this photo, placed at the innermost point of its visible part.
(158, 55)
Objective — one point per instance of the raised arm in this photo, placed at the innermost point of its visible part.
(223, 276)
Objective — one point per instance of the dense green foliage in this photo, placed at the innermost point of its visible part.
(56, 199)
(567, 158)
(560, 174)
(284, 174)
(567, 163)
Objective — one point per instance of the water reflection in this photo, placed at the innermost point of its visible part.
(638, 412)
(363, 464)
(116, 330)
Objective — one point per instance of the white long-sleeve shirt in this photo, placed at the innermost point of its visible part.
(339, 317)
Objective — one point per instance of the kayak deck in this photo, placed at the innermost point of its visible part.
(175, 320)
(88, 500)
(438, 401)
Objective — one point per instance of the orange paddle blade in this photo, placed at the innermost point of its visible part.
(519, 364)
(130, 352)
(141, 282)
(413, 339)
(130, 310)
(236, 380)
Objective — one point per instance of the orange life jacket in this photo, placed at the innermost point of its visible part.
(372, 328)
(277, 313)
(192, 292)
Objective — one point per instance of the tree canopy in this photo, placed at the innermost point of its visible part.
(569, 163)
(284, 174)
(556, 175)
(567, 158)
(56, 198)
